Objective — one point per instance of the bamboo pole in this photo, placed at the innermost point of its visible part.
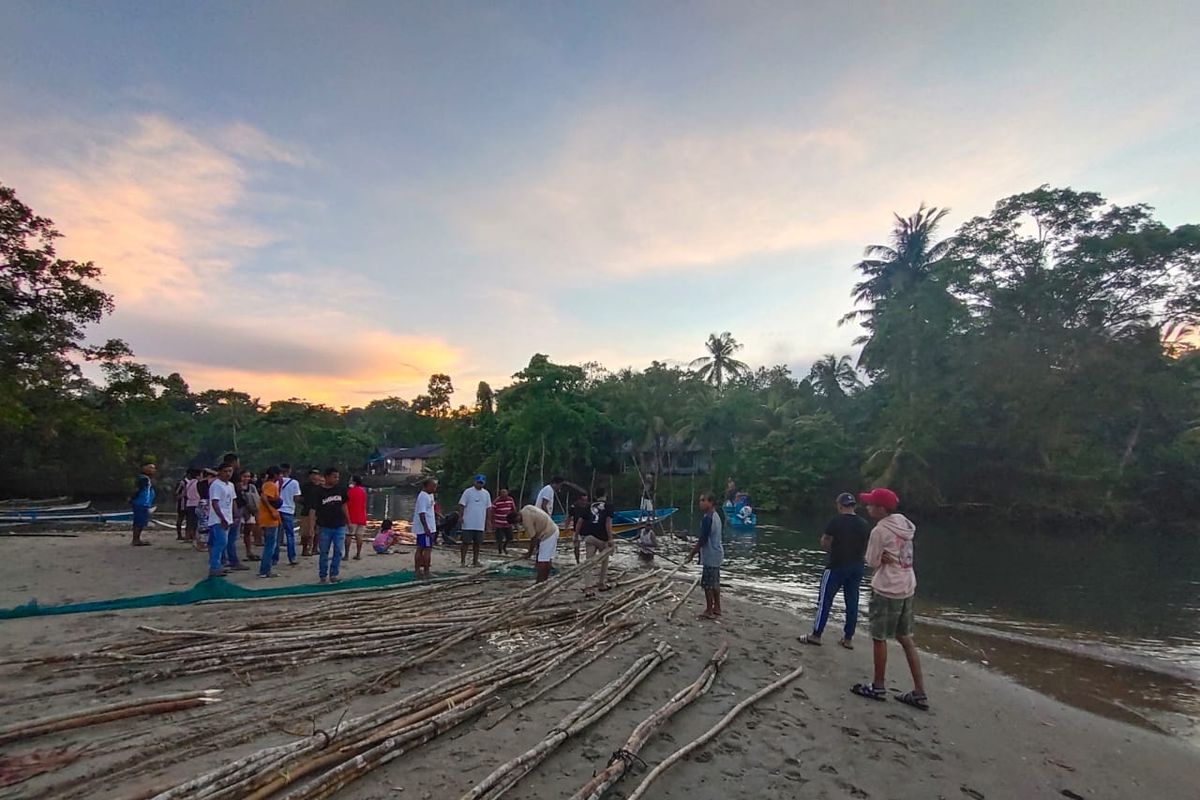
(684, 597)
(711, 733)
(95, 716)
(621, 760)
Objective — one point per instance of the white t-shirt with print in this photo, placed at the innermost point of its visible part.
(220, 497)
(475, 504)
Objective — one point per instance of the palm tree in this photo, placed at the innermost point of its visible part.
(720, 365)
(896, 268)
(834, 377)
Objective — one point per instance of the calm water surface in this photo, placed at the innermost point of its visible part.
(1107, 622)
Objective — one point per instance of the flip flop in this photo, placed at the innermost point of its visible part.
(808, 639)
(141, 544)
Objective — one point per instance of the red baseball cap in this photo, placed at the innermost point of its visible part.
(884, 498)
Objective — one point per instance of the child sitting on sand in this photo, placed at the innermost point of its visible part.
(386, 539)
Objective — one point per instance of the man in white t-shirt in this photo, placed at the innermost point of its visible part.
(289, 489)
(475, 511)
(424, 527)
(220, 503)
(545, 498)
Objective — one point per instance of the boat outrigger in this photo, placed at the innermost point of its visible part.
(626, 525)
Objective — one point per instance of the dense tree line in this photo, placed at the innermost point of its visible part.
(1036, 362)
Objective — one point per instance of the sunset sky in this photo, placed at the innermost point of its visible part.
(332, 200)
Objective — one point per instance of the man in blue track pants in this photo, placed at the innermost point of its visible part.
(845, 538)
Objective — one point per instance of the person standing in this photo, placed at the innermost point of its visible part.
(310, 498)
(191, 499)
(204, 508)
(545, 498)
(142, 501)
(331, 521)
(503, 507)
(596, 529)
(180, 513)
(248, 507)
(845, 538)
(235, 523)
(893, 587)
(289, 490)
(543, 540)
(268, 519)
(475, 511)
(579, 509)
(220, 509)
(708, 546)
(356, 509)
(424, 526)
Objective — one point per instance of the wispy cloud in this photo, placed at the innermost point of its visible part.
(163, 210)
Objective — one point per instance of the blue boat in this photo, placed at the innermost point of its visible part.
(626, 524)
(740, 518)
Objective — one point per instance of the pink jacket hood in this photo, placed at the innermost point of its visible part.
(894, 535)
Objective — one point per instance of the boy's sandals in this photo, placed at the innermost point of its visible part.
(914, 699)
(869, 691)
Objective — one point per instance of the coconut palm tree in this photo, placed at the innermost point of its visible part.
(719, 365)
(834, 377)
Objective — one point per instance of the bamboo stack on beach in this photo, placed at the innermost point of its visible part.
(486, 686)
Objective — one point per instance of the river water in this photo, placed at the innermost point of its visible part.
(1105, 622)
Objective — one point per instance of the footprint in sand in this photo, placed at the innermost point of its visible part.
(828, 769)
(853, 790)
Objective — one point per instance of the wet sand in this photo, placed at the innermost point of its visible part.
(986, 737)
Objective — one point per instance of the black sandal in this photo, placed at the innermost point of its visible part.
(914, 699)
(869, 691)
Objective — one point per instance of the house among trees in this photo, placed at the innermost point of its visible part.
(402, 460)
(669, 455)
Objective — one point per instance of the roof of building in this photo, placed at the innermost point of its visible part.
(419, 451)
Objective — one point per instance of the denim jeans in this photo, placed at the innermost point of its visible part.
(327, 538)
(218, 537)
(287, 527)
(231, 543)
(269, 548)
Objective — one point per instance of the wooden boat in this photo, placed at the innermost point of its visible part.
(28, 502)
(9, 511)
(741, 518)
(88, 517)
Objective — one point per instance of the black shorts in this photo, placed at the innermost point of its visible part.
(504, 534)
(189, 513)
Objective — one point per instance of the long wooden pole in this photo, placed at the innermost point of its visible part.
(711, 733)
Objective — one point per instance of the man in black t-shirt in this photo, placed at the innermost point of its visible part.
(596, 529)
(579, 510)
(331, 516)
(845, 538)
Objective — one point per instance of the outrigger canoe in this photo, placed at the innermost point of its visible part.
(10, 511)
(89, 517)
(626, 525)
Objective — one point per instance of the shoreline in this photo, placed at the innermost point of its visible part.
(986, 733)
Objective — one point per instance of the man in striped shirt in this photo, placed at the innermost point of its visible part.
(502, 507)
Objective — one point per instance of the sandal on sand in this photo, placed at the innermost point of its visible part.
(808, 638)
(914, 699)
(141, 544)
(869, 691)
(846, 643)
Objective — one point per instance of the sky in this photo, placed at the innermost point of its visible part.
(332, 201)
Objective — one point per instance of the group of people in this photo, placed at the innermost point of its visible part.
(216, 507)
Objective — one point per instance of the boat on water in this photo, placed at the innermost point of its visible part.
(626, 525)
(740, 517)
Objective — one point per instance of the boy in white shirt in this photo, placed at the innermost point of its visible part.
(424, 526)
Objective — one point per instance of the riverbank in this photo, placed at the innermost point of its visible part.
(986, 737)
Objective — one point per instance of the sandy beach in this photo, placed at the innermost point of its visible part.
(985, 737)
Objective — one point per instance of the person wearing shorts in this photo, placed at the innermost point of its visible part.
(712, 553)
(543, 540)
(503, 507)
(142, 501)
(475, 511)
(356, 508)
(893, 587)
(385, 540)
(424, 526)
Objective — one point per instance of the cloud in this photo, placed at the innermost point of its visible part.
(166, 212)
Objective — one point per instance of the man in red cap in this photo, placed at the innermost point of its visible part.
(890, 554)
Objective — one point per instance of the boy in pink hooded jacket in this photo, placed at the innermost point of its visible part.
(890, 554)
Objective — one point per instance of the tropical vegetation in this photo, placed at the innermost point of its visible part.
(1036, 362)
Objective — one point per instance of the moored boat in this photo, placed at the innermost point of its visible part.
(84, 517)
(740, 518)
